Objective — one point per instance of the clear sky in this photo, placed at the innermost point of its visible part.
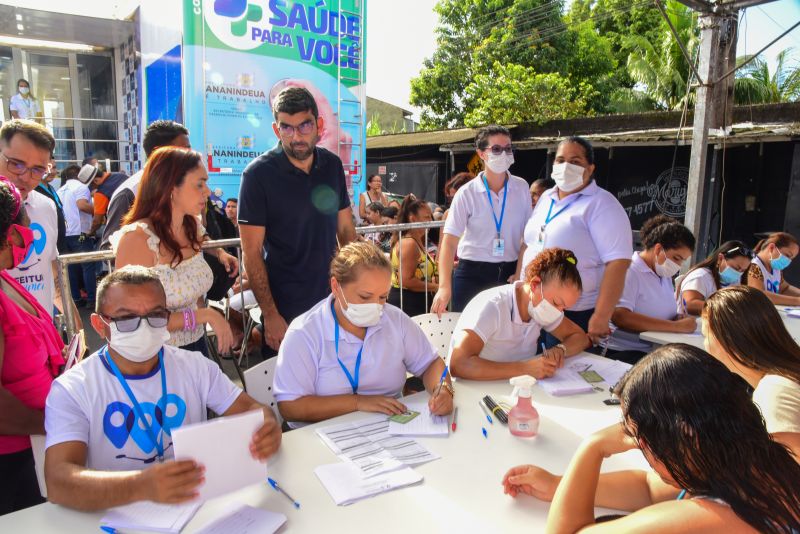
(400, 36)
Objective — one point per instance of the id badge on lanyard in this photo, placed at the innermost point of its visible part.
(498, 243)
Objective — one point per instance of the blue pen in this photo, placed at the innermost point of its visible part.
(485, 411)
(441, 380)
(110, 530)
(485, 434)
(543, 349)
(276, 487)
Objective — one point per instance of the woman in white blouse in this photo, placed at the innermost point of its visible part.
(745, 332)
(351, 352)
(578, 215)
(23, 104)
(722, 268)
(497, 335)
(646, 303)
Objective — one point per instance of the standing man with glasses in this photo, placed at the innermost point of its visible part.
(293, 208)
(25, 148)
(485, 222)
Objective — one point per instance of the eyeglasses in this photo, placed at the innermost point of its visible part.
(304, 128)
(497, 149)
(131, 323)
(18, 168)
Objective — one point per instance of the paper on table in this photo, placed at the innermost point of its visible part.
(793, 312)
(425, 424)
(568, 381)
(245, 519)
(367, 444)
(346, 486)
(150, 516)
(222, 446)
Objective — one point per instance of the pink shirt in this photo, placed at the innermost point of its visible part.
(31, 356)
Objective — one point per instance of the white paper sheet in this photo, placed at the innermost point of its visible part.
(367, 444)
(37, 444)
(346, 486)
(150, 516)
(245, 519)
(425, 424)
(568, 381)
(222, 446)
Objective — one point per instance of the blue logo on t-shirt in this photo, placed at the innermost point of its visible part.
(132, 428)
(774, 286)
(37, 247)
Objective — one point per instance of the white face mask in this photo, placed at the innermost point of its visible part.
(24, 90)
(544, 313)
(668, 269)
(141, 344)
(362, 315)
(568, 177)
(500, 163)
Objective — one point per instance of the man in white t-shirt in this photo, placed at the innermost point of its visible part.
(76, 200)
(109, 419)
(25, 148)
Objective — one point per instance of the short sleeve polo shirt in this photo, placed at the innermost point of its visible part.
(299, 213)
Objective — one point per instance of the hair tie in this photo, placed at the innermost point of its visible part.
(572, 260)
(15, 194)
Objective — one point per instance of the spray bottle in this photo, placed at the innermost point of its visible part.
(523, 419)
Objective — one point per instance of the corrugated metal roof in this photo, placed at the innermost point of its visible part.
(427, 138)
(738, 134)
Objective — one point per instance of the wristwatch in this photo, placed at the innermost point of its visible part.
(449, 389)
(563, 349)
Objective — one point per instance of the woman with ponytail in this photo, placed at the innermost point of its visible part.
(773, 256)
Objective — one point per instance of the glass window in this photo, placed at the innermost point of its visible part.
(98, 101)
(7, 82)
(50, 86)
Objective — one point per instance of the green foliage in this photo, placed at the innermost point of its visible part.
(374, 127)
(514, 94)
(755, 84)
(475, 36)
(657, 64)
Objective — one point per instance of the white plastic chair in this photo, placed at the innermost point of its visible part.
(439, 331)
(258, 384)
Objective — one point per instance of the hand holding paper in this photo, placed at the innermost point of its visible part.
(263, 445)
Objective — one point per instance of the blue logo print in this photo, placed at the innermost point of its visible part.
(37, 247)
(774, 286)
(230, 8)
(132, 428)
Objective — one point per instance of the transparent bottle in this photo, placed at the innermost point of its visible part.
(523, 419)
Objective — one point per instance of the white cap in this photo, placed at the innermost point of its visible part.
(87, 173)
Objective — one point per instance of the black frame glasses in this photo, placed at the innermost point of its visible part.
(498, 149)
(18, 168)
(131, 323)
(304, 128)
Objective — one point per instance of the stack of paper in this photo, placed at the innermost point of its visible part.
(245, 520)
(580, 373)
(425, 424)
(565, 382)
(222, 447)
(368, 444)
(793, 312)
(346, 485)
(150, 516)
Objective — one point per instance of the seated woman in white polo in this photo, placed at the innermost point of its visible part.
(351, 352)
(497, 335)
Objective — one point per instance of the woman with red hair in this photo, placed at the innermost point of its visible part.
(163, 231)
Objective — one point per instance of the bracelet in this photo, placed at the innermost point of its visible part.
(189, 320)
(186, 319)
(563, 349)
(193, 316)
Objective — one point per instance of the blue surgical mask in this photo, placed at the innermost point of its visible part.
(780, 263)
(729, 276)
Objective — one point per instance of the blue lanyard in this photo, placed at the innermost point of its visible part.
(550, 215)
(353, 381)
(55, 196)
(497, 224)
(136, 406)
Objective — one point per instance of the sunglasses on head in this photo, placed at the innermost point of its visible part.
(739, 251)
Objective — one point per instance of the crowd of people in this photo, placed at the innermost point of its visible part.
(538, 274)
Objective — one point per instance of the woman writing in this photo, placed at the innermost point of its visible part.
(163, 231)
(30, 358)
(578, 215)
(646, 303)
(497, 335)
(715, 468)
(722, 268)
(373, 194)
(773, 255)
(485, 223)
(416, 273)
(351, 352)
(745, 332)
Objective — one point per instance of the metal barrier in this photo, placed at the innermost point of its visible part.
(65, 260)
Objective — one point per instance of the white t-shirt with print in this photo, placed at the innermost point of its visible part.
(494, 317)
(35, 274)
(88, 404)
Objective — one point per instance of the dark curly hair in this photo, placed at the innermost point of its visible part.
(8, 209)
(555, 264)
(667, 231)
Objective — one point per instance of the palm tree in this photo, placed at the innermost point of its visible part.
(755, 84)
(658, 67)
